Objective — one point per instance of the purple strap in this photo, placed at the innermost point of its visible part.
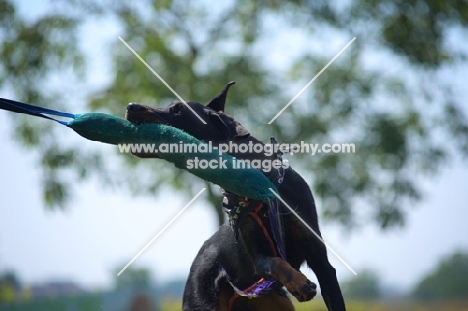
(259, 288)
(276, 226)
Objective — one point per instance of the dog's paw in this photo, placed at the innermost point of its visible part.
(301, 288)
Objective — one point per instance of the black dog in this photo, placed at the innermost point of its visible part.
(234, 265)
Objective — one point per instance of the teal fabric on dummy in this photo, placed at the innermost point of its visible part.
(106, 128)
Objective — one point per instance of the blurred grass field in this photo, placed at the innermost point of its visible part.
(318, 305)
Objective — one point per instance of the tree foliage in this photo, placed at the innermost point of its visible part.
(447, 281)
(10, 285)
(133, 277)
(366, 285)
(389, 93)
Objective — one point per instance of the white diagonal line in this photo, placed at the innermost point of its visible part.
(313, 231)
(159, 77)
(311, 81)
(160, 232)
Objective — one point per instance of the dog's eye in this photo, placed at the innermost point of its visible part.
(176, 108)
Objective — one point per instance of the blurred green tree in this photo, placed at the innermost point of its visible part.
(391, 93)
(10, 286)
(133, 277)
(447, 281)
(365, 285)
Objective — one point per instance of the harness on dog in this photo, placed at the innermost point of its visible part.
(237, 213)
(238, 209)
(278, 179)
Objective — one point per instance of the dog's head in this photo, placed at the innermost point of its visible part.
(219, 127)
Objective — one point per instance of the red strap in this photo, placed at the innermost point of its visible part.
(231, 301)
(268, 237)
(262, 226)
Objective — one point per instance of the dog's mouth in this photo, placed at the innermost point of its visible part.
(140, 114)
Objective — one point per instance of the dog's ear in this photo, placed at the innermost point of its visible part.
(228, 128)
(241, 132)
(217, 103)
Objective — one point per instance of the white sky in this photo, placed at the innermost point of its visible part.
(104, 230)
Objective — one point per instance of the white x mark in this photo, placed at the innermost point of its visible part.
(311, 81)
(160, 232)
(162, 80)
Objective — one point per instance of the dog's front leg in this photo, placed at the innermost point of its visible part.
(294, 281)
(326, 275)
